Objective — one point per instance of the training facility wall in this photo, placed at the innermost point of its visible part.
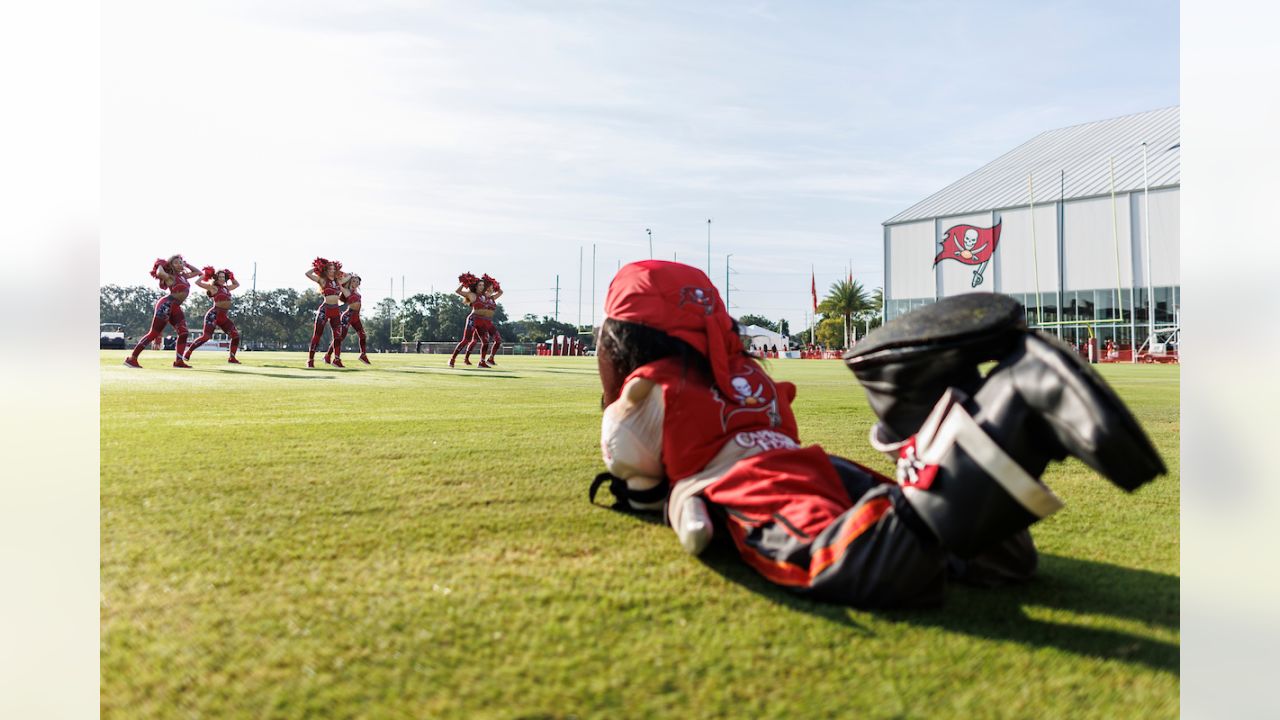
(1075, 249)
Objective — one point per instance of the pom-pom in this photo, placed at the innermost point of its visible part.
(155, 267)
(230, 276)
(490, 282)
(207, 273)
(467, 279)
(319, 265)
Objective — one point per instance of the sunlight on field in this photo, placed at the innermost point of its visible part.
(409, 540)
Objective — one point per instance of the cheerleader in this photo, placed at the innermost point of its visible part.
(350, 319)
(329, 276)
(174, 275)
(473, 290)
(218, 286)
(494, 292)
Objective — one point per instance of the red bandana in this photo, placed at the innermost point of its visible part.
(679, 300)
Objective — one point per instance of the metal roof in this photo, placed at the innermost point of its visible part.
(1079, 151)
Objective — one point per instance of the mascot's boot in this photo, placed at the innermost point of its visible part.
(972, 470)
(907, 365)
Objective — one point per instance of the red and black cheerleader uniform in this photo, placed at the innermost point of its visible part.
(168, 312)
(217, 317)
(495, 338)
(330, 314)
(350, 319)
(478, 328)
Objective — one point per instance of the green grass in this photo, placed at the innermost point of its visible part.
(407, 540)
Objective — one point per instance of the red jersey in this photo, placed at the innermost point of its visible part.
(699, 419)
(484, 302)
(179, 283)
(331, 287)
(784, 479)
(353, 297)
(220, 294)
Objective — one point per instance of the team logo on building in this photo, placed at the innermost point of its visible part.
(971, 245)
(753, 392)
(701, 297)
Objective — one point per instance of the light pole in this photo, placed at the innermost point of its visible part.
(708, 247)
(650, 242)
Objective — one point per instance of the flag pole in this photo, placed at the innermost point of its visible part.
(1115, 238)
(813, 287)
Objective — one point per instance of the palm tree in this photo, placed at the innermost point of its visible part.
(845, 299)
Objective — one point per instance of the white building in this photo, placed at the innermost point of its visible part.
(1080, 256)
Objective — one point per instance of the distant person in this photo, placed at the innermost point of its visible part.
(218, 286)
(493, 291)
(174, 275)
(351, 319)
(329, 276)
(479, 323)
(696, 430)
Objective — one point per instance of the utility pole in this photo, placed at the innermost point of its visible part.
(579, 287)
(593, 286)
(650, 242)
(557, 297)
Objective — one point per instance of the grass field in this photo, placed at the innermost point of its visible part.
(406, 540)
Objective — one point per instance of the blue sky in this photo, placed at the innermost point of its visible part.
(421, 140)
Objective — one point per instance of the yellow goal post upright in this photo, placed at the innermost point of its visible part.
(1089, 324)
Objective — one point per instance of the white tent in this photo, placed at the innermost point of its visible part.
(762, 339)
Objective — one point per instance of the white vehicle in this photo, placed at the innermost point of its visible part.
(219, 341)
(111, 335)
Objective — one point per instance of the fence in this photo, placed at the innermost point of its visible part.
(446, 348)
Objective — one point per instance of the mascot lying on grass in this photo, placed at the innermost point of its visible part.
(695, 429)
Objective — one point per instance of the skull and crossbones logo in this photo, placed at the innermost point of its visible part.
(744, 393)
(966, 248)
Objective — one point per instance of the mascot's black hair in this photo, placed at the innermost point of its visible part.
(632, 345)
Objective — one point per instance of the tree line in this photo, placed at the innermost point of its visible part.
(282, 319)
(846, 311)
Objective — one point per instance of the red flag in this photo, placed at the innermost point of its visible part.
(813, 288)
(969, 244)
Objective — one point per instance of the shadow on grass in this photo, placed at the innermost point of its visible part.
(304, 368)
(1084, 587)
(1077, 586)
(723, 558)
(592, 371)
(273, 374)
(452, 372)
